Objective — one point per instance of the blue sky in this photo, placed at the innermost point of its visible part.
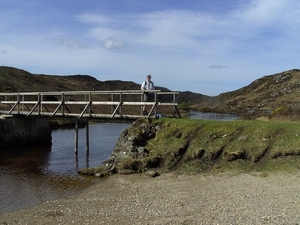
(207, 47)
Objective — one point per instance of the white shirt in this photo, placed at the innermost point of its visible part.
(148, 85)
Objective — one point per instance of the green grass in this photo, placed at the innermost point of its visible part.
(242, 145)
(193, 146)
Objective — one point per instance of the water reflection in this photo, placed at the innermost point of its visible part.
(26, 181)
(32, 160)
(41, 174)
(213, 116)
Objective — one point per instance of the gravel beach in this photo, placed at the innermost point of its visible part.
(229, 198)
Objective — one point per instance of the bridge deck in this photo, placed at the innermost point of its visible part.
(86, 104)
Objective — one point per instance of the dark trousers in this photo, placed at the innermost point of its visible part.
(148, 97)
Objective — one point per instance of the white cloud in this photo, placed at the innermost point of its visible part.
(3, 51)
(111, 43)
(217, 67)
(93, 18)
(70, 42)
(196, 32)
(262, 12)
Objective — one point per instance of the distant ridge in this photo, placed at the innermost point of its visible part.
(18, 80)
(264, 94)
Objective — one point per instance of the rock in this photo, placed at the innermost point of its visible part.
(131, 145)
(110, 167)
(152, 173)
(99, 175)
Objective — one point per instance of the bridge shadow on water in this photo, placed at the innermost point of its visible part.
(33, 175)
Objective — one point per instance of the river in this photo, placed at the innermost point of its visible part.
(213, 116)
(41, 174)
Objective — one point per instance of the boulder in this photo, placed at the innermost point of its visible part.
(130, 147)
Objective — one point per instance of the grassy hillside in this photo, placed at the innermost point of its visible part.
(268, 93)
(278, 93)
(16, 80)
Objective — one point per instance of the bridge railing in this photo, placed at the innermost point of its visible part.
(120, 103)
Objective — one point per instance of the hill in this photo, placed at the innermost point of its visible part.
(18, 80)
(275, 95)
(267, 93)
(272, 93)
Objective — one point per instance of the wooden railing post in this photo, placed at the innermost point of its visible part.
(39, 104)
(5, 103)
(121, 104)
(42, 97)
(142, 100)
(155, 99)
(18, 99)
(90, 105)
(112, 100)
(23, 99)
(63, 105)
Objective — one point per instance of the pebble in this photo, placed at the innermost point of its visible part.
(230, 198)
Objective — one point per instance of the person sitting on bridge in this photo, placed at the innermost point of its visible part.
(147, 86)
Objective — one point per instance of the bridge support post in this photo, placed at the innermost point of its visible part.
(76, 137)
(87, 136)
(87, 153)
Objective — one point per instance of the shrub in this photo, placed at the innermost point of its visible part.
(184, 106)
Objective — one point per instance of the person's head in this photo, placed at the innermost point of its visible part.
(148, 77)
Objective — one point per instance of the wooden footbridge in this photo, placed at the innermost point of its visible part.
(125, 104)
(88, 105)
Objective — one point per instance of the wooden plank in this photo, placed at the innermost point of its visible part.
(116, 110)
(76, 103)
(93, 103)
(77, 92)
(168, 93)
(168, 104)
(151, 110)
(138, 103)
(57, 108)
(13, 107)
(51, 102)
(28, 102)
(85, 108)
(34, 107)
(105, 103)
(9, 102)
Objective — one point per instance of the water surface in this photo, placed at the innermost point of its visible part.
(41, 174)
(213, 116)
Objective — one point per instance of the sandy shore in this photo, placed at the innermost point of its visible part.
(171, 199)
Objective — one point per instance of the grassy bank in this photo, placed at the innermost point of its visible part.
(188, 145)
(193, 146)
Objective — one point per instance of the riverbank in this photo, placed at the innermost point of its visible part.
(222, 198)
(197, 146)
